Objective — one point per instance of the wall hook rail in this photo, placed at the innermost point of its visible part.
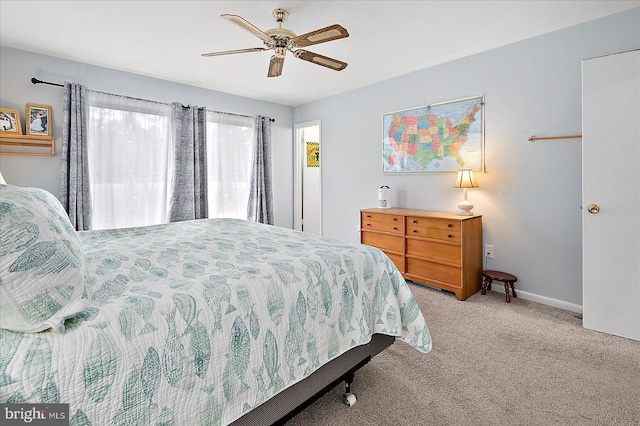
(539, 138)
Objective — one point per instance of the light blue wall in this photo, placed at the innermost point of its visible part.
(530, 195)
(17, 67)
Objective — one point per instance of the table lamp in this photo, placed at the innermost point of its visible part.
(465, 180)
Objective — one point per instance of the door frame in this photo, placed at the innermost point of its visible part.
(299, 162)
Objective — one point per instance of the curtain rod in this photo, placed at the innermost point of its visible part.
(242, 115)
(36, 81)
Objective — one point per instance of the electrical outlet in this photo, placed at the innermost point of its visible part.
(488, 251)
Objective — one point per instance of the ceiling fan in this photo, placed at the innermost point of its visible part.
(281, 40)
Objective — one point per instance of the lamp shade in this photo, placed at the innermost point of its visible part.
(465, 179)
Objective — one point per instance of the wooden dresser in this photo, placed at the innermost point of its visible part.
(440, 249)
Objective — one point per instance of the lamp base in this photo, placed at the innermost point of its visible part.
(465, 208)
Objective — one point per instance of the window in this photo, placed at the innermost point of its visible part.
(130, 152)
(130, 160)
(230, 140)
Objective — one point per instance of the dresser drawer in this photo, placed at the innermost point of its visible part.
(438, 251)
(382, 222)
(437, 233)
(384, 242)
(450, 225)
(383, 226)
(448, 274)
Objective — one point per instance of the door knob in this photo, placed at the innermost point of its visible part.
(593, 208)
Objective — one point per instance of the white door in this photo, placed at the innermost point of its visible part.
(308, 178)
(611, 191)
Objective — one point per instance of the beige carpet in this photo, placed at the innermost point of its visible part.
(493, 363)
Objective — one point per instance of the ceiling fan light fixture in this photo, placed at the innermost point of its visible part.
(280, 52)
(281, 39)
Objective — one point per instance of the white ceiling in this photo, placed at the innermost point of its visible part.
(164, 39)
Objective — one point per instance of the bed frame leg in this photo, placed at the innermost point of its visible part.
(348, 398)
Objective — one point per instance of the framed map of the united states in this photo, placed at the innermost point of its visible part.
(443, 137)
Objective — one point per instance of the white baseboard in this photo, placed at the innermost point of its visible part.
(541, 299)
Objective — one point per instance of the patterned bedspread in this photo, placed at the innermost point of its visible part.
(198, 322)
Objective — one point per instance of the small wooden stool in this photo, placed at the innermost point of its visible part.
(508, 280)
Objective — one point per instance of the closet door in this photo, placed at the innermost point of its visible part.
(611, 193)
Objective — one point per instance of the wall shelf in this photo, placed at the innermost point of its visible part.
(15, 144)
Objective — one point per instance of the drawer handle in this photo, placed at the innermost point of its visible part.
(449, 225)
(415, 231)
(415, 221)
(395, 219)
(368, 216)
(368, 224)
(395, 229)
(449, 236)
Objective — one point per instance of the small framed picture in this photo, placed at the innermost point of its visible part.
(10, 121)
(39, 120)
(313, 154)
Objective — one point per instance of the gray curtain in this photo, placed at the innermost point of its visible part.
(75, 192)
(188, 198)
(260, 207)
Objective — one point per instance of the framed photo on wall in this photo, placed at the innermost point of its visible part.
(313, 154)
(10, 121)
(38, 120)
(443, 137)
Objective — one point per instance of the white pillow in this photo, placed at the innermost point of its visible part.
(41, 262)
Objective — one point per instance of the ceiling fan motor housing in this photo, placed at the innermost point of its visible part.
(280, 33)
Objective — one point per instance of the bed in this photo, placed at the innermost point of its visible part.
(215, 321)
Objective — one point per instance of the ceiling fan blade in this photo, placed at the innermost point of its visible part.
(275, 66)
(329, 33)
(230, 52)
(325, 61)
(242, 23)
